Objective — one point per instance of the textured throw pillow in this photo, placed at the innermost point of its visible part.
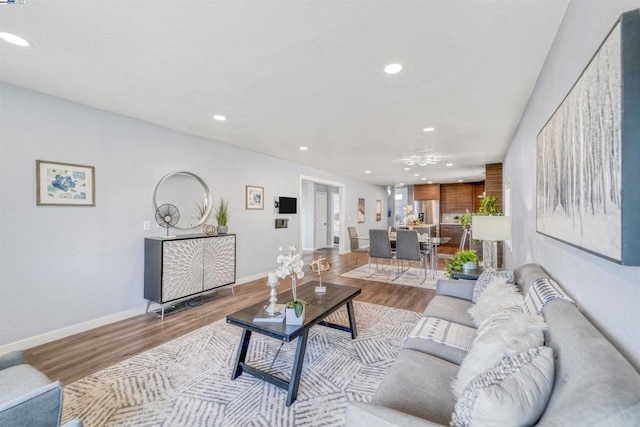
(513, 393)
(485, 278)
(505, 334)
(496, 298)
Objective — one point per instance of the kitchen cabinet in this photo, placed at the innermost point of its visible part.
(426, 192)
(456, 198)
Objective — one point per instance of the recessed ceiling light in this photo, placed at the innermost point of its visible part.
(219, 118)
(449, 164)
(401, 184)
(424, 179)
(367, 171)
(304, 148)
(430, 182)
(13, 39)
(407, 169)
(428, 129)
(416, 174)
(461, 180)
(393, 68)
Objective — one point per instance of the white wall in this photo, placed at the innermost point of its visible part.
(66, 267)
(607, 292)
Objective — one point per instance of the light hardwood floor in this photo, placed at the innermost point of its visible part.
(77, 356)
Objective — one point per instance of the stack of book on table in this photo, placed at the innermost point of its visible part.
(263, 316)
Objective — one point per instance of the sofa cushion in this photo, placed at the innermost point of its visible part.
(451, 309)
(18, 380)
(513, 393)
(485, 278)
(496, 298)
(506, 334)
(594, 382)
(418, 384)
(441, 338)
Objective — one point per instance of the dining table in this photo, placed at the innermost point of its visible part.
(426, 241)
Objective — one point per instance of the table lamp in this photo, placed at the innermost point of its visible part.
(490, 229)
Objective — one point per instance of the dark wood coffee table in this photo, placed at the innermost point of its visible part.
(318, 307)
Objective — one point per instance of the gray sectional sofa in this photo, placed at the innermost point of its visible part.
(594, 384)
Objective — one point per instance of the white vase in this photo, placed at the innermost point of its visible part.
(468, 266)
(292, 319)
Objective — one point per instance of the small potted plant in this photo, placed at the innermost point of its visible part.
(462, 260)
(222, 216)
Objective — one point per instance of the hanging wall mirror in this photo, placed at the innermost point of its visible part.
(189, 193)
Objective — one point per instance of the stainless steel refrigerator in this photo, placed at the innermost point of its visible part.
(429, 213)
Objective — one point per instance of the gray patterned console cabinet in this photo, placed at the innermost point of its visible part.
(187, 265)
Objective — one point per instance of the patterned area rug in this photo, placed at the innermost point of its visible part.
(388, 274)
(186, 382)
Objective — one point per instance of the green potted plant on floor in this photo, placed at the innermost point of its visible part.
(459, 259)
(222, 216)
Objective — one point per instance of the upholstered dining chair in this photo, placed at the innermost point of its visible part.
(354, 241)
(408, 248)
(379, 247)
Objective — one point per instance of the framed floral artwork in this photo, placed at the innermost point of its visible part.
(255, 197)
(64, 184)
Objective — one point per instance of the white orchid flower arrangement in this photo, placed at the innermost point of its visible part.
(291, 264)
(409, 218)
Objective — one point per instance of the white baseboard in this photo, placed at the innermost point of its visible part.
(48, 337)
(70, 330)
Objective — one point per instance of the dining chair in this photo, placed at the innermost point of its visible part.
(423, 230)
(463, 240)
(354, 241)
(408, 248)
(379, 247)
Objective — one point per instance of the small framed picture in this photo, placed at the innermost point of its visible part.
(361, 210)
(64, 184)
(255, 197)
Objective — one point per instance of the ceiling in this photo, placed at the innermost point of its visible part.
(300, 73)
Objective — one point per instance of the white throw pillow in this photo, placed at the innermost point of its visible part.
(505, 334)
(485, 278)
(513, 393)
(497, 297)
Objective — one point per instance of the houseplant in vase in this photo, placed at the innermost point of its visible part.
(291, 264)
(462, 260)
(222, 216)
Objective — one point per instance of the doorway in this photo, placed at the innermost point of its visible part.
(313, 223)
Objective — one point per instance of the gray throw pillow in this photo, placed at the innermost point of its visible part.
(513, 393)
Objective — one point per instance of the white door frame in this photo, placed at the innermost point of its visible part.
(343, 248)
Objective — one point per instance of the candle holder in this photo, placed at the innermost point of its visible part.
(273, 308)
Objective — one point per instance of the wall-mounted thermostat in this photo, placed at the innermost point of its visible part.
(282, 223)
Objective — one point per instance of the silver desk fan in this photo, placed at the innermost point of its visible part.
(167, 216)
